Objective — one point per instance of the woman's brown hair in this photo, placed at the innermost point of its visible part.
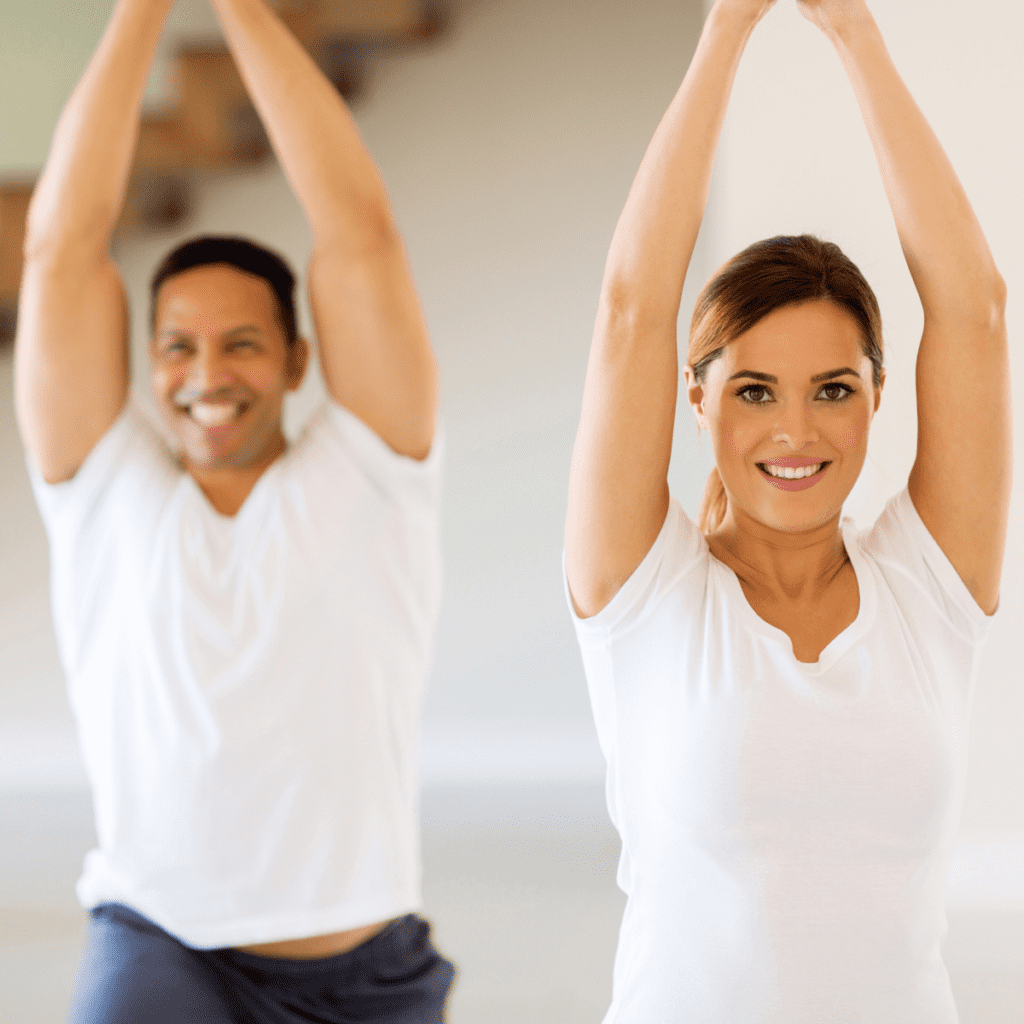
(777, 272)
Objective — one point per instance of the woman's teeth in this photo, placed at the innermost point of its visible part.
(214, 414)
(789, 473)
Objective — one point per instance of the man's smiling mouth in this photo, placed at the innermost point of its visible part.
(211, 409)
(214, 414)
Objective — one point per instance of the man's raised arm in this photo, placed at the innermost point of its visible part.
(71, 358)
(374, 350)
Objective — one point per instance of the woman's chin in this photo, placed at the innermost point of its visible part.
(780, 512)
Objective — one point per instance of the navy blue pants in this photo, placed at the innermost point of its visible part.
(133, 972)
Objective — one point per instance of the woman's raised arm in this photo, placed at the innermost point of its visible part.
(960, 482)
(618, 488)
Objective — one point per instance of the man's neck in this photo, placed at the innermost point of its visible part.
(227, 488)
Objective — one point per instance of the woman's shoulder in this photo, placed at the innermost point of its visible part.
(678, 551)
(915, 570)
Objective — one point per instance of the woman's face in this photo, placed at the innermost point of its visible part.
(791, 396)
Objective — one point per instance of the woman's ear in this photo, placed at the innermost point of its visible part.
(695, 396)
(298, 361)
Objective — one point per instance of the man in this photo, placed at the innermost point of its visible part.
(245, 627)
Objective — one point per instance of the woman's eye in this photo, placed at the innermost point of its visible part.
(836, 392)
(756, 394)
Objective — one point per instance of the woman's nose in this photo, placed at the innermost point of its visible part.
(795, 426)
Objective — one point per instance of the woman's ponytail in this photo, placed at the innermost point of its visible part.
(713, 504)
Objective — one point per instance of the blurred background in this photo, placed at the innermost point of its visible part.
(508, 132)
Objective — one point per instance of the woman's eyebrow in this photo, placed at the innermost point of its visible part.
(767, 378)
(841, 372)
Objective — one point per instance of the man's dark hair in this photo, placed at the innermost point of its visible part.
(241, 254)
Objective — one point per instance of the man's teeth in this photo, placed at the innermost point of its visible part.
(789, 473)
(214, 414)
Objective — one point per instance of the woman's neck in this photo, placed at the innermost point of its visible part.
(795, 567)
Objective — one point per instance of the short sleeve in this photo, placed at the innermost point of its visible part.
(910, 555)
(104, 516)
(395, 475)
(678, 548)
(66, 505)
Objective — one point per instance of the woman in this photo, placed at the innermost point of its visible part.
(783, 701)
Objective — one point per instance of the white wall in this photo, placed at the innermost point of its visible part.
(508, 149)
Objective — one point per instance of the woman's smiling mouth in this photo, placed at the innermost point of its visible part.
(793, 474)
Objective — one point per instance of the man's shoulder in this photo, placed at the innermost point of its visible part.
(335, 435)
(130, 464)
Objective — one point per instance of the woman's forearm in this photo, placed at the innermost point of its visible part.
(657, 231)
(945, 248)
(329, 168)
(80, 193)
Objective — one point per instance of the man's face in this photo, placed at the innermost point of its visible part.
(221, 366)
(794, 393)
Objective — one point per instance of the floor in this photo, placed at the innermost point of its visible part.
(519, 885)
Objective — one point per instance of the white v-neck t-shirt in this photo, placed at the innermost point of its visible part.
(786, 827)
(247, 689)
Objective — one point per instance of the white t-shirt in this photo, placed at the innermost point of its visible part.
(786, 828)
(247, 689)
